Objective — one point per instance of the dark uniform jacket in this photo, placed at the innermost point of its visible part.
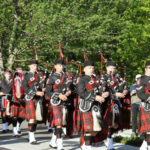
(58, 82)
(115, 84)
(87, 87)
(143, 89)
(29, 81)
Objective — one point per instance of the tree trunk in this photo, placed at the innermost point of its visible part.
(1, 60)
(12, 52)
(11, 59)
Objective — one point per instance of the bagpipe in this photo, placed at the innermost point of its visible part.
(114, 81)
(46, 73)
(72, 63)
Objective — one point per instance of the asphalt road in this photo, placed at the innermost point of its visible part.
(8, 142)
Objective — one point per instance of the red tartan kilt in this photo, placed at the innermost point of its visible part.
(82, 121)
(55, 115)
(76, 120)
(100, 136)
(50, 115)
(126, 108)
(144, 125)
(76, 116)
(30, 109)
(70, 125)
(14, 110)
(45, 112)
(108, 116)
(17, 110)
(21, 112)
(86, 121)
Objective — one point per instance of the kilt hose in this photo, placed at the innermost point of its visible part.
(76, 116)
(108, 116)
(126, 109)
(76, 121)
(144, 119)
(30, 109)
(17, 110)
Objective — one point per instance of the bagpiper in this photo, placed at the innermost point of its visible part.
(143, 92)
(6, 93)
(32, 86)
(58, 90)
(17, 109)
(113, 113)
(90, 100)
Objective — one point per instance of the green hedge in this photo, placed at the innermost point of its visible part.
(133, 140)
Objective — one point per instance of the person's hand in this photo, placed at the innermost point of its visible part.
(39, 93)
(99, 99)
(62, 97)
(133, 92)
(120, 95)
(105, 94)
(68, 93)
(1, 93)
(125, 92)
(43, 89)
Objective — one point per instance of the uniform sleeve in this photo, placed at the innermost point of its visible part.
(132, 87)
(126, 86)
(49, 87)
(6, 88)
(140, 89)
(82, 92)
(25, 84)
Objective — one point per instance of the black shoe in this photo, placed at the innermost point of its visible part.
(17, 136)
(52, 146)
(34, 143)
(50, 130)
(19, 132)
(4, 131)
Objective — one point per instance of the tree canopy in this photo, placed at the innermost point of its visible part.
(120, 29)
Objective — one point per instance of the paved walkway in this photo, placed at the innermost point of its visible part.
(7, 142)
